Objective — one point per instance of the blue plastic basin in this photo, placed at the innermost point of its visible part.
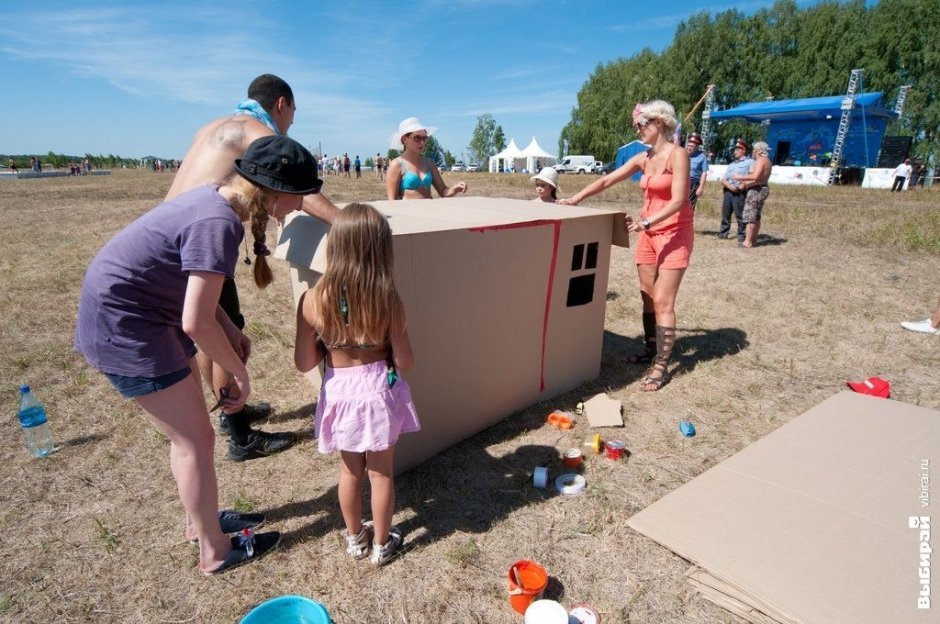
(288, 610)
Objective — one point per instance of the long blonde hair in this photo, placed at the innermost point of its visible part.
(250, 202)
(355, 302)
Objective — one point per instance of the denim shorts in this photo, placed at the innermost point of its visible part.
(131, 387)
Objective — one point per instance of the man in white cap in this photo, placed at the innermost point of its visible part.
(269, 110)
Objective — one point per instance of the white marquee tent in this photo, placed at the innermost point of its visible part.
(528, 158)
(508, 157)
(535, 154)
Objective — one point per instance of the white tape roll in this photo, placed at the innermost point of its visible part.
(540, 477)
(570, 483)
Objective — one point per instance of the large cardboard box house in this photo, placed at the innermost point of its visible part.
(505, 302)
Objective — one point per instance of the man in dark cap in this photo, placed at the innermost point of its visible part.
(698, 168)
(269, 110)
(734, 191)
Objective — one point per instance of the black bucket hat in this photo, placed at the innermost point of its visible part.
(281, 164)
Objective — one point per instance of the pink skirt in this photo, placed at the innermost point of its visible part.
(359, 412)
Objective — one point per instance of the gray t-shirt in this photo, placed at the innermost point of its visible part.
(131, 307)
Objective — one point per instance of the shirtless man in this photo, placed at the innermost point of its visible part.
(755, 182)
(210, 159)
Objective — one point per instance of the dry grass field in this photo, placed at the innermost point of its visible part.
(94, 533)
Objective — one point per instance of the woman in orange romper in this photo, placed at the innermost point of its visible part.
(664, 231)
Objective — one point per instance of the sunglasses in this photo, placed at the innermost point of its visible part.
(419, 138)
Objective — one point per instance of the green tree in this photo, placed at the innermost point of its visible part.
(499, 140)
(780, 52)
(483, 142)
(432, 149)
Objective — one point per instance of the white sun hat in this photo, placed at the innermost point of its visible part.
(548, 175)
(412, 124)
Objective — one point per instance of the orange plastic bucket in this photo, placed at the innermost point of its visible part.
(527, 581)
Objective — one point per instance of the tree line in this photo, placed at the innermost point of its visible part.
(781, 52)
(58, 161)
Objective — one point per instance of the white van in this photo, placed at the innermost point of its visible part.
(575, 164)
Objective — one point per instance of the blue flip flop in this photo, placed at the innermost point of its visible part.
(247, 548)
(232, 521)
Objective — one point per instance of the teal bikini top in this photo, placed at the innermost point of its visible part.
(411, 182)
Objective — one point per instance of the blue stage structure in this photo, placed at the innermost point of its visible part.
(803, 132)
(626, 152)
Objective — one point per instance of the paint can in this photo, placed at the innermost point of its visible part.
(583, 613)
(527, 582)
(572, 458)
(614, 449)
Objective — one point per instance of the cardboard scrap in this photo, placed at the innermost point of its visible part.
(603, 411)
(817, 522)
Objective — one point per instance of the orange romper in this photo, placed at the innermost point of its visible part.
(668, 243)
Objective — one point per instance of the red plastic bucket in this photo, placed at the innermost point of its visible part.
(527, 581)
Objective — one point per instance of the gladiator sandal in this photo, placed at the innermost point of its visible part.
(658, 374)
(649, 337)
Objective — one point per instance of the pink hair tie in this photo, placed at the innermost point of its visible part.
(637, 113)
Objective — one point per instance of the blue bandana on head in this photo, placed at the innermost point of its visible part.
(253, 108)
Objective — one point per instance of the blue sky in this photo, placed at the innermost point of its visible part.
(135, 79)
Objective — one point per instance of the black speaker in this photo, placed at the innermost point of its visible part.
(894, 149)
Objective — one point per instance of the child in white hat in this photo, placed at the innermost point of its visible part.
(546, 185)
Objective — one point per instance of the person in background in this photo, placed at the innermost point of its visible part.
(354, 318)
(917, 173)
(358, 165)
(151, 296)
(900, 174)
(698, 168)
(411, 175)
(927, 326)
(664, 231)
(269, 110)
(13, 167)
(546, 185)
(755, 183)
(379, 166)
(734, 192)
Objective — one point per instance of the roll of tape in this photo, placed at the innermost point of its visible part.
(540, 477)
(570, 484)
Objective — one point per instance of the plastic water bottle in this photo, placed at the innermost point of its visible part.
(35, 426)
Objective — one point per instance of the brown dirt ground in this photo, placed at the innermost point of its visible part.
(94, 533)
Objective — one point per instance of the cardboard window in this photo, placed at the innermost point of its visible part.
(577, 257)
(580, 290)
(591, 261)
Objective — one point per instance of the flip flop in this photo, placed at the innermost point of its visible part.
(247, 548)
(232, 521)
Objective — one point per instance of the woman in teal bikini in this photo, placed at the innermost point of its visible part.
(411, 175)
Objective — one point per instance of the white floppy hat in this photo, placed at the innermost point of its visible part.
(407, 126)
(548, 175)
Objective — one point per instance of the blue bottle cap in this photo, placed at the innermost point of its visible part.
(24, 388)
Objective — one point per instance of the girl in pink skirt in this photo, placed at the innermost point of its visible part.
(354, 318)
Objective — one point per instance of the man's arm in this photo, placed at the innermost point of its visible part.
(319, 207)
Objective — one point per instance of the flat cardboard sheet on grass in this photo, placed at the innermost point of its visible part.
(814, 523)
